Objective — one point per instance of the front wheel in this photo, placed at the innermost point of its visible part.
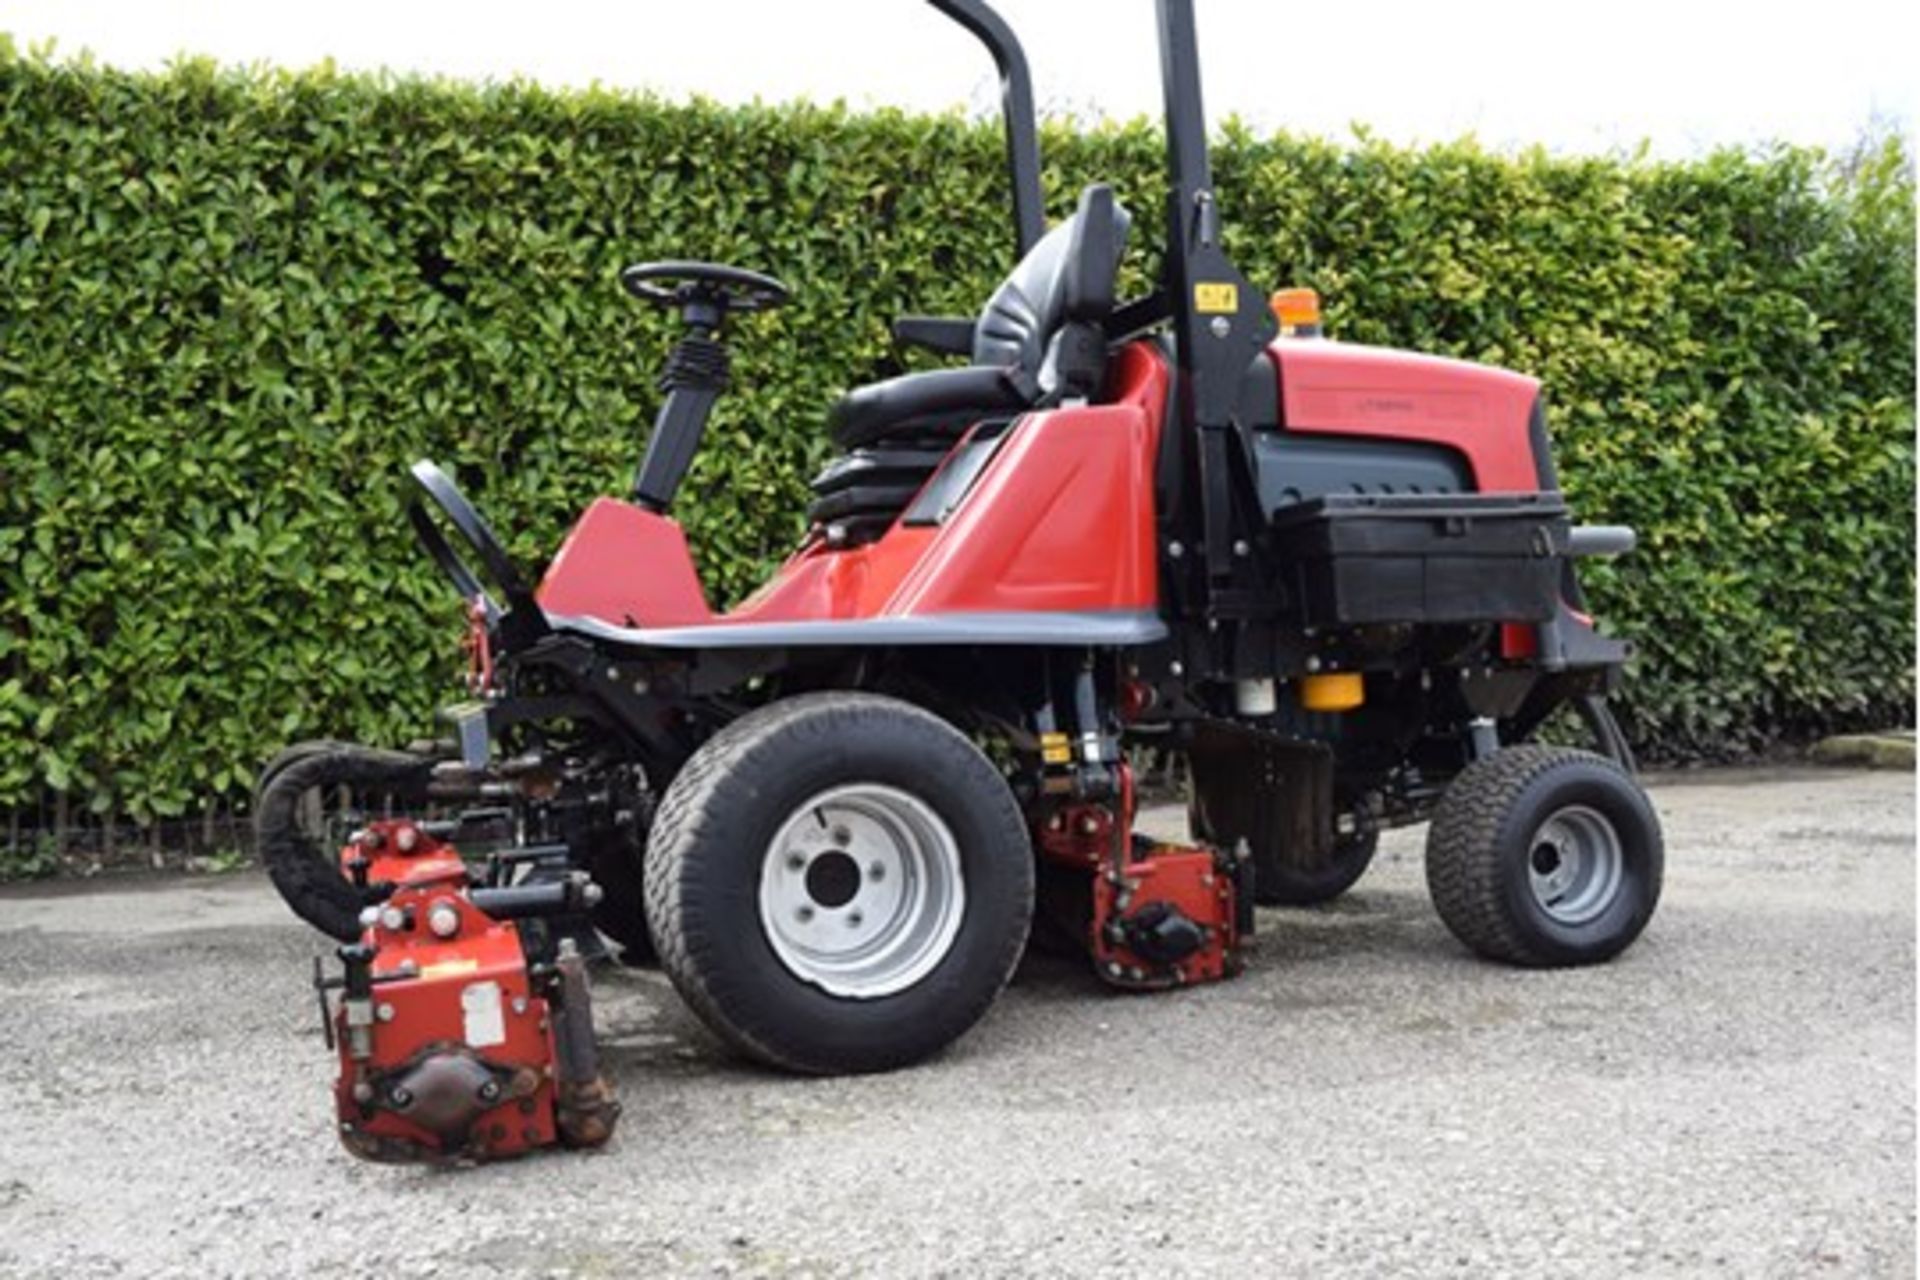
(839, 882)
(1545, 856)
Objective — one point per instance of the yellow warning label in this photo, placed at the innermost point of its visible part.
(1216, 299)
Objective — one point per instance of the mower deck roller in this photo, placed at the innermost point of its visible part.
(1338, 581)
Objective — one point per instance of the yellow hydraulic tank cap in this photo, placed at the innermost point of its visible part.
(1332, 691)
(1297, 310)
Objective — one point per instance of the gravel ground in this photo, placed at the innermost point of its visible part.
(1735, 1095)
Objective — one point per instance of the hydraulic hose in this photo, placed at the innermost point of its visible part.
(305, 873)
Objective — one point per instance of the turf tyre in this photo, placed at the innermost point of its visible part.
(1282, 884)
(1484, 834)
(704, 864)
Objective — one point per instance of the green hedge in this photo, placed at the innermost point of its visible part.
(234, 306)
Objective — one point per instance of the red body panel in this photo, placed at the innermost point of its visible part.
(1060, 519)
(626, 566)
(1338, 388)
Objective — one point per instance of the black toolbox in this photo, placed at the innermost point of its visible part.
(1354, 560)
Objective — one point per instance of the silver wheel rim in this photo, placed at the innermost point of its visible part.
(861, 892)
(1575, 864)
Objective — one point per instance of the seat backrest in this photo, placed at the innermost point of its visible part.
(1071, 267)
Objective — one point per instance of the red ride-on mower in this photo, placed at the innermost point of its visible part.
(1337, 580)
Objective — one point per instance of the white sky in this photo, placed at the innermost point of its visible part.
(1681, 75)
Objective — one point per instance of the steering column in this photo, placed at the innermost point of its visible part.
(705, 294)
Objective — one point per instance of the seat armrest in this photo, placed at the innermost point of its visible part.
(943, 335)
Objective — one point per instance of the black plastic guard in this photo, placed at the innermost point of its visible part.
(522, 621)
(1569, 642)
(1276, 795)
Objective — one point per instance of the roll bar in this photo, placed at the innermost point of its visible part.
(1016, 106)
(1220, 321)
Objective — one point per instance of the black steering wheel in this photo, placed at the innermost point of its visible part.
(684, 284)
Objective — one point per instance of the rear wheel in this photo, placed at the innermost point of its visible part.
(1278, 883)
(839, 883)
(1545, 856)
(1255, 787)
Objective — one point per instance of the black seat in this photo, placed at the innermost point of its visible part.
(1038, 341)
(931, 402)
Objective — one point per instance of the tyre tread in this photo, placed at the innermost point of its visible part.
(688, 810)
(1462, 862)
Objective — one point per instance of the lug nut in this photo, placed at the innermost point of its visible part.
(853, 919)
(805, 914)
(842, 836)
(796, 862)
(876, 871)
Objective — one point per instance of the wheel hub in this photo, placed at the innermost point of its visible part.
(1575, 864)
(833, 879)
(861, 891)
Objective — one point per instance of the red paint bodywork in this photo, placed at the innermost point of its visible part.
(628, 566)
(1337, 388)
(1061, 519)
